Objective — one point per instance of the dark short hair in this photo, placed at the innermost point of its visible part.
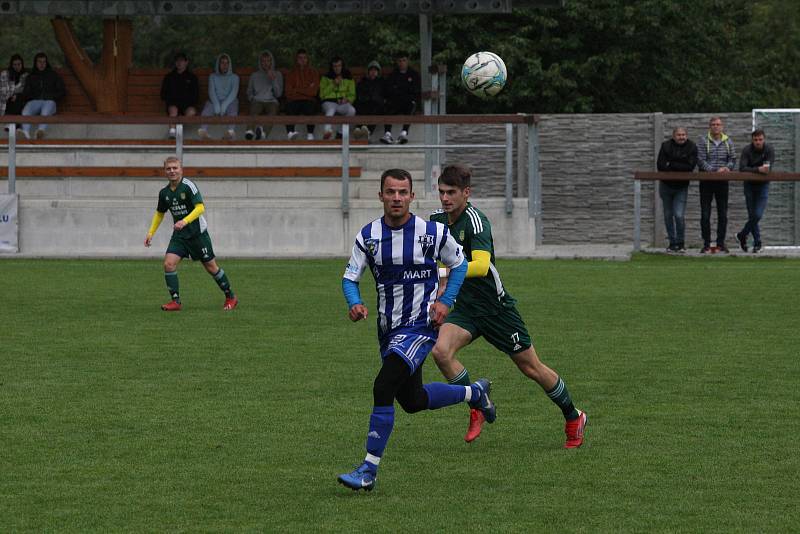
(301, 51)
(181, 55)
(456, 175)
(757, 132)
(397, 174)
(400, 53)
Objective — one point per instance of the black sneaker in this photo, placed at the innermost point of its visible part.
(722, 249)
(757, 248)
(705, 250)
(260, 133)
(742, 239)
(680, 247)
(249, 135)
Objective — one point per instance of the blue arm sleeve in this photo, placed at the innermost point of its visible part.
(454, 282)
(351, 293)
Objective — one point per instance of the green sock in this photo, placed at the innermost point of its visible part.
(560, 396)
(173, 285)
(462, 379)
(222, 281)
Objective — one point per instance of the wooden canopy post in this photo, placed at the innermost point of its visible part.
(107, 83)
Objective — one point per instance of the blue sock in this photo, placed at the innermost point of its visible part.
(381, 423)
(441, 395)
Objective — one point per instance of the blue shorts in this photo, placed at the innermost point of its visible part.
(412, 347)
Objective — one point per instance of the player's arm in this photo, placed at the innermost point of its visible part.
(158, 216)
(193, 215)
(352, 274)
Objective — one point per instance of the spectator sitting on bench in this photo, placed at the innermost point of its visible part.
(43, 88)
(369, 98)
(337, 90)
(402, 94)
(223, 91)
(302, 86)
(263, 90)
(12, 84)
(180, 90)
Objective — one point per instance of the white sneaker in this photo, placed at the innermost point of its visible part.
(403, 139)
(172, 133)
(202, 133)
(310, 137)
(249, 135)
(230, 135)
(291, 136)
(387, 138)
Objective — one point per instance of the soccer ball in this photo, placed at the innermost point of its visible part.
(484, 74)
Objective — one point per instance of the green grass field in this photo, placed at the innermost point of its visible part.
(115, 416)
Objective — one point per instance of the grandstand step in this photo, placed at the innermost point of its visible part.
(199, 172)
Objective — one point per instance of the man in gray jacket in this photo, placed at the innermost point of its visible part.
(263, 90)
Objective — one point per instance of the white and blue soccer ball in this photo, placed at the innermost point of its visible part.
(484, 74)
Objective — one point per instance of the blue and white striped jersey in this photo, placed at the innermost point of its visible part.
(403, 262)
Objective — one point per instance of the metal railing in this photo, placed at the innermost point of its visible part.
(732, 176)
(433, 144)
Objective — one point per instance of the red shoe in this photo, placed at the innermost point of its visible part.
(574, 431)
(476, 420)
(230, 303)
(172, 305)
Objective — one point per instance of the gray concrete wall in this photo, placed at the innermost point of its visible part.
(587, 162)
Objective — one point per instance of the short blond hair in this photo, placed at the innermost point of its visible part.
(173, 158)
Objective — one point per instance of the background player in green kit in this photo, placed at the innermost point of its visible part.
(190, 235)
(484, 308)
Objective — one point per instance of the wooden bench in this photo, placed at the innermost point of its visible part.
(144, 89)
(198, 172)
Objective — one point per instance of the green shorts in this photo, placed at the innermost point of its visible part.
(506, 331)
(197, 247)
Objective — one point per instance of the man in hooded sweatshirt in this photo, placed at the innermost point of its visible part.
(223, 93)
(263, 90)
(42, 89)
(302, 87)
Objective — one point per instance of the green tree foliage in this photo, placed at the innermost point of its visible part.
(589, 56)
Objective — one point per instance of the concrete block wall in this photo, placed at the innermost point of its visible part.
(587, 163)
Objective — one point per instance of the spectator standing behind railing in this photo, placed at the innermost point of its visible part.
(715, 153)
(12, 84)
(263, 91)
(223, 95)
(180, 90)
(678, 154)
(337, 91)
(302, 87)
(369, 98)
(758, 157)
(402, 93)
(43, 88)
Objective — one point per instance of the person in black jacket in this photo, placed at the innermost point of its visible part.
(42, 89)
(180, 90)
(402, 92)
(757, 157)
(678, 154)
(369, 98)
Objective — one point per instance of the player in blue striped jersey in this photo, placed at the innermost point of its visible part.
(401, 251)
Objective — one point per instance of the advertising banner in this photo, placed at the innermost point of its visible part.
(9, 226)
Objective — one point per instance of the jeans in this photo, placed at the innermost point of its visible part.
(38, 107)
(673, 200)
(708, 191)
(231, 111)
(332, 108)
(755, 196)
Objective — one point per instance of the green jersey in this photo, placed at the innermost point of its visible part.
(478, 296)
(181, 203)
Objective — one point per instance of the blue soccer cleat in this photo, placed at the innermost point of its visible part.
(485, 404)
(362, 478)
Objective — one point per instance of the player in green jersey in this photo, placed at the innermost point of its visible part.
(485, 308)
(189, 236)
